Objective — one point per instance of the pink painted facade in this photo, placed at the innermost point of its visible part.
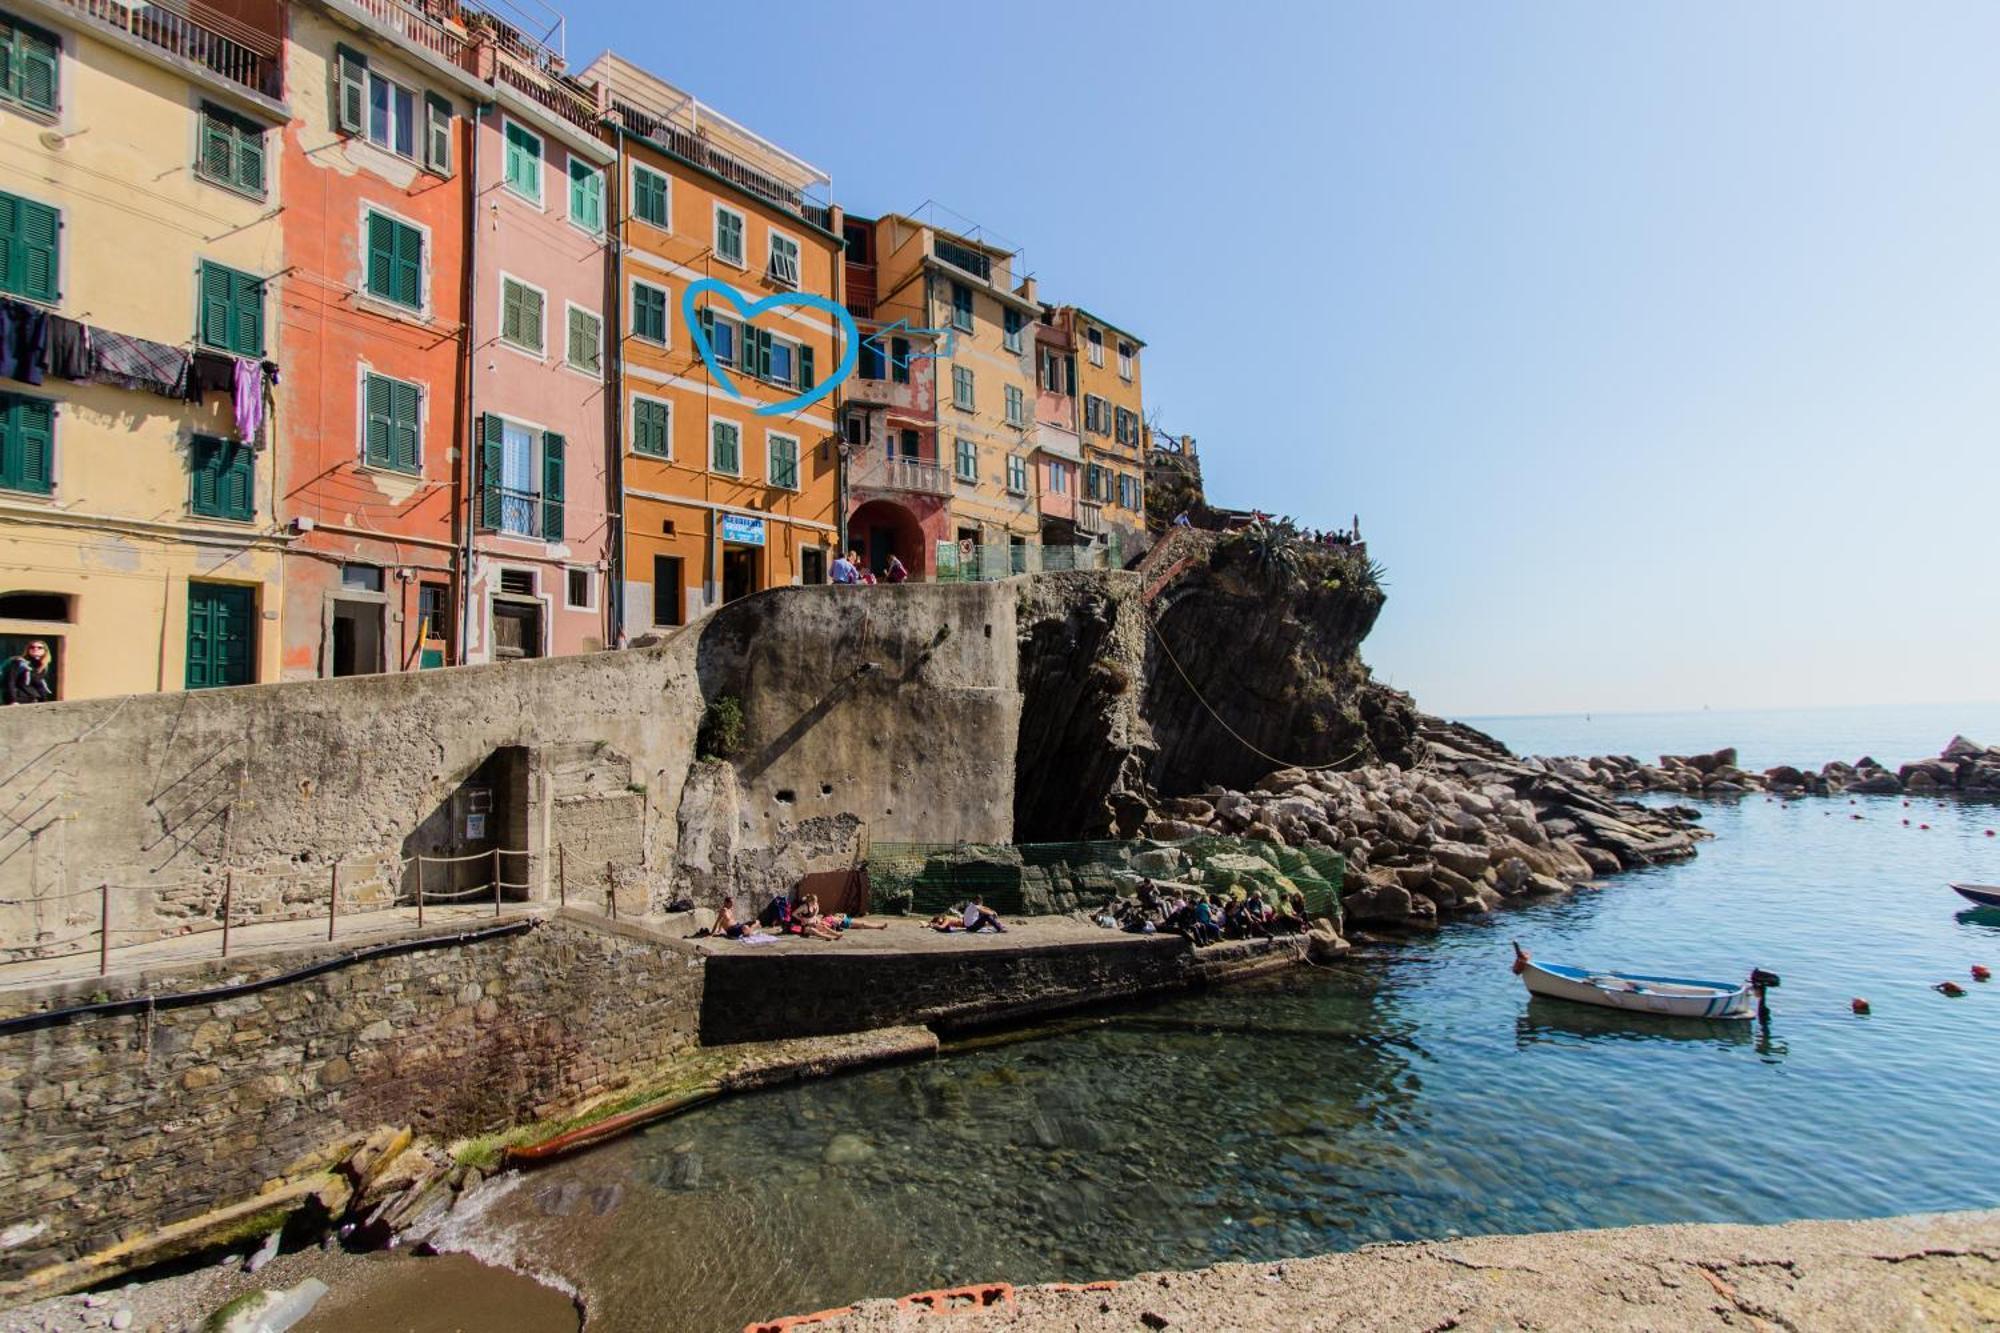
(544, 500)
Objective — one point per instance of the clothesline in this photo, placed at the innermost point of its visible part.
(35, 344)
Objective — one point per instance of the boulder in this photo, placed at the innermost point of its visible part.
(1876, 783)
(1414, 876)
(1284, 780)
(1388, 902)
(1514, 873)
(1961, 748)
(1784, 775)
(1544, 884)
(1920, 779)
(1460, 857)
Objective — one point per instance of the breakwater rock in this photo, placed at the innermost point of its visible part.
(1962, 768)
(1466, 828)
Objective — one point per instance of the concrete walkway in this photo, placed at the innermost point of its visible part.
(1940, 1271)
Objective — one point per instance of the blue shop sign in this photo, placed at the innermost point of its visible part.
(742, 530)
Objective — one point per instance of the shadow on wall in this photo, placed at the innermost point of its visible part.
(452, 852)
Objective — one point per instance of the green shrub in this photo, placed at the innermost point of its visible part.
(721, 734)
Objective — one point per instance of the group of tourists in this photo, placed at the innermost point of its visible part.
(784, 916)
(1205, 918)
(974, 917)
(848, 569)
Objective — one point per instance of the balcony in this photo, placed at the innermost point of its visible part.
(1090, 519)
(879, 473)
(554, 93)
(520, 514)
(860, 288)
(685, 144)
(1053, 505)
(232, 50)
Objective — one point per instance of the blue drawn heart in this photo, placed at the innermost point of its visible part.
(851, 344)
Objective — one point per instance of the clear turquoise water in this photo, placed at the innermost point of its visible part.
(1420, 1094)
(1803, 736)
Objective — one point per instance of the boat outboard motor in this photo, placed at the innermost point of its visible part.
(1761, 981)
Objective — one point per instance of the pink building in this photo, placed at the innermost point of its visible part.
(544, 507)
(1058, 447)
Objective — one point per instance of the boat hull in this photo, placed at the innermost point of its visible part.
(1666, 997)
(1984, 895)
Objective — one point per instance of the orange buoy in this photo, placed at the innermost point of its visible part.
(1859, 1005)
(1951, 988)
(1980, 973)
(1520, 963)
(1989, 833)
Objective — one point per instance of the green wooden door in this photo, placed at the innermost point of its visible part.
(222, 635)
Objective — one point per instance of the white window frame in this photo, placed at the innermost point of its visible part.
(1127, 356)
(382, 304)
(668, 225)
(771, 437)
(735, 425)
(500, 321)
(632, 427)
(603, 194)
(418, 128)
(590, 582)
(971, 389)
(362, 370)
(538, 434)
(666, 338)
(596, 375)
(959, 444)
(1094, 341)
(796, 346)
(1022, 460)
(1017, 405)
(771, 257)
(540, 198)
(743, 260)
(1058, 478)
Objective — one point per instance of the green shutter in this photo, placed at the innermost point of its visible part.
(552, 487)
(706, 318)
(806, 380)
(350, 92)
(524, 162)
(218, 147)
(29, 260)
(437, 134)
(224, 476)
(492, 436)
(217, 327)
(649, 196)
(378, 450)
(381, 279)
(586, 195)
(31, 66)
(761, 367)
(406, 415)
(27, 444)
(649, 429)
(409, 266)
(250, 159)
(584, 352)
(249, 315)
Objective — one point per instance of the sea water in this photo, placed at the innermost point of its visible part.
(1415, 1093)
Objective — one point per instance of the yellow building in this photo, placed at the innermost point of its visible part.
(1112, 417)
(721, 498)
(138, 200)
(937, 279)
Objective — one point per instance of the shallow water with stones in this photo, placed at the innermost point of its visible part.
(1416, 1094)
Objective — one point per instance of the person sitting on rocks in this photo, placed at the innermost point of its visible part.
(979, 917)
(1206, 928)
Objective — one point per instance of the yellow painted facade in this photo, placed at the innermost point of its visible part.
(1111, 414)
(113, 545)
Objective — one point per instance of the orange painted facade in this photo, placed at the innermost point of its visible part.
(1111, 412)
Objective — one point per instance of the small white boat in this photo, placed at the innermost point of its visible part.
(1671, 997)
(1981, 895)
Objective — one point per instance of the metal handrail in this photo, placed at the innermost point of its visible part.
(232, 57)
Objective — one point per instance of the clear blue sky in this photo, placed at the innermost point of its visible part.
(1656, 345)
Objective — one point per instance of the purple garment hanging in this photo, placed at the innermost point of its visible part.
(249, 400)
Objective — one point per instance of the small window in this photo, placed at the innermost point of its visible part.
(1014, 321)
(1017, 474)
(518, 582)
(580, 590)
(392, 116)
(652, 428)
(854, 428)
(1097, 347)
(651, 197)
(725, 447)
(223, 478)
(968, 461)
(30, 248)
(961, 306)
(1125, 355)
(30, 65)
(1059, 478)
(586, 341)
(784, 260)
(522, 171)
(899, 360)
(961, 387)
(586, 195)
(391, 411)
(873, 364)
(361, 578)
(232, 311)
(54, 606)
(232, 151)
(521, 316)
(27, 444)
(729, 228)
(434, 620)
(395, 261)
(437, 134)
(649, 313)
(783, 462)
(1017, 406)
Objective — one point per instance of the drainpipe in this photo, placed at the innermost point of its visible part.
(614, 517)
(471, 304)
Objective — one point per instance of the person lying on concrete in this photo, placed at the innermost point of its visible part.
(848, 921)
(979, 917)
(944, 923)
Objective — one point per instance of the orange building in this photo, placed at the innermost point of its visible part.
(1112, 411)
(721, 499)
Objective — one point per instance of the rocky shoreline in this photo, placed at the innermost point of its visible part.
(1962, 768)
(1468, 827)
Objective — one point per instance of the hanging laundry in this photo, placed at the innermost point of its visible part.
(211, 372)
(136, 363)
(249, 400)
(24, 332)
(69, 348)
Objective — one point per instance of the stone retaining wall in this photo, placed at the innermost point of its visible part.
(115, 1124)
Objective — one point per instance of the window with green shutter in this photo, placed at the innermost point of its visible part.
(725, 447)
(729, 235)
(232, 311)
(1017, 474)
(650, 197)
(961, 306)
(521, 316)
(968, 461)
(223, 477)
(1017, 406)
(649, 313)
(782, 465)
(30, 65)
(961, 387)
(586, 339)
(395, 261)
(27, 443)
(586, 195)
(393, 425)
(232, 151)
(552, 486)
(523, 171)
(651, 426)
(437, 134)
(350, 90)
(30, 248)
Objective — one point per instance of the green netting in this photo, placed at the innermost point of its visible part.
(1037, 878)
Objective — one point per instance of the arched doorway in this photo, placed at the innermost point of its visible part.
(882, 527)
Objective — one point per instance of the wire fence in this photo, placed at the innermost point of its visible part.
(1032, 879)
(235, 898)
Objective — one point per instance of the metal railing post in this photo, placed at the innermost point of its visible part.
(420, 888)
(562, 875)
(496, 881)
(103, 929)
(333, 899)
(228, 895)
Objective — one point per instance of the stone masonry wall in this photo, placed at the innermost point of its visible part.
(119, 1123)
